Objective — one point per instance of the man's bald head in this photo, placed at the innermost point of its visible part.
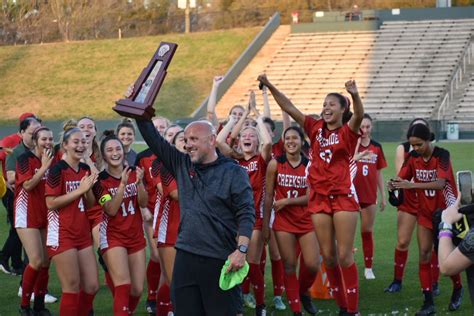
(200, 139)
(203, 126)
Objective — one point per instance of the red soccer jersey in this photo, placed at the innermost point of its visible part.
(256, 169)
(278, 149)
(331, 154)
(437, 167)
(365, 180)
(151, 167)
(127, 225)
(30, 206)
(10, 141)
(291, 183)
(67, 224)
(410, 200)
(169, 216)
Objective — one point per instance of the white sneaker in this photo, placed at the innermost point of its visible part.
(170, 314)
(48, 298)
(369, 274)
(20, 292)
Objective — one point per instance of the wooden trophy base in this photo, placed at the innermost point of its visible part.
(128, 108)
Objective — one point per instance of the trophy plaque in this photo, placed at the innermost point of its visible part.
(148, 84)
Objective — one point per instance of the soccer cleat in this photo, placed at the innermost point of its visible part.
(436, 291)
(426, 310)
(456, 299)
(4, 267)
(26, 311)
(150, 307)
(260, 310)
(369, 274)
(43, 312)
(394, 287)
(278, 303)
(308, 304)
(249, 300)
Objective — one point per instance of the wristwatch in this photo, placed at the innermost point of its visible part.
(445, 226)
(243, 248)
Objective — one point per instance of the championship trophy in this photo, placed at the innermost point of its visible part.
(147, 86)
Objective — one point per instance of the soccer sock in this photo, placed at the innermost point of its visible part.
(425, 276)
(153, 272)
(256, 278)
(401, 257)
(133, 301)
(368, 248)
(336, 286)
(277, 276)
(434, 267)
(121, 299)
(292, 288)
(456, 280)
(86, 302)
(163, 302)
(69, 304)
(30, 275)
(41, 286)
(110, 283)
(263, 260)
(306, 278)
(351, 282)
(246, 286)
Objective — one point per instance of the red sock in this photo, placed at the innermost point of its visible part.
(306, 277)
(153, 272)
(277, 277)
(368, 248)
(133, 303)
(110, 283)
(292, 288)
(163, 302)
(86, 302)
(401, 257)
(69, 304)
(336, 286)
(263, 260)
(121, 300)
(351, 282)
(434, 267)
(456, 280)
(30, 275)
(246, 286)
(41, 285)
(256, 278)
(425, 276)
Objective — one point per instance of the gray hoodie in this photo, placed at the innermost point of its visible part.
(215, 199)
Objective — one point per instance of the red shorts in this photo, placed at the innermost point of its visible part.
(132, 246)
(258, 224)
(28, 218)
(365, 205)
(331, 204)
(424, 219)
(67, 244)
(94, 215)
(167, 234)
(285, 222)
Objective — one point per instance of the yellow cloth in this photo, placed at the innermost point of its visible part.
(3, 186)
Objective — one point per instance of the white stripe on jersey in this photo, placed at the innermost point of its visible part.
(163, 228)
(21, 209)
(103, 242)
(449, 197)
(353, 173)
(52, 238)
(156, 209)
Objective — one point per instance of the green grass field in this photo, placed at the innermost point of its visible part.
(58, 81)
(373, 301)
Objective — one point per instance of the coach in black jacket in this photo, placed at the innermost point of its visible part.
(217, 218)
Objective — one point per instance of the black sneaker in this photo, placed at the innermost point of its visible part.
(297, 314)
(456, 299)
(394, 287)
(308, 304)
(342, 311)
(150, 307)
(42, 312)
(4, 267)
(426, 310)
(17, 271)
(26, 311)
(436, 291)
(260, 310)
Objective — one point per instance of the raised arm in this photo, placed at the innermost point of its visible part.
(283, 102)
(211, 104)
(266, 139)
(266, 104)
(356, 119)
(169, 155)
(269, 194)
(221, 140)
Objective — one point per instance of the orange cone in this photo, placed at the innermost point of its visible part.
(320, 286)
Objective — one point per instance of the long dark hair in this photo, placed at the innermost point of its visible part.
(345, 105)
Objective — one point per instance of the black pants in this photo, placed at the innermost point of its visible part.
(12, 247)
(195, 288)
